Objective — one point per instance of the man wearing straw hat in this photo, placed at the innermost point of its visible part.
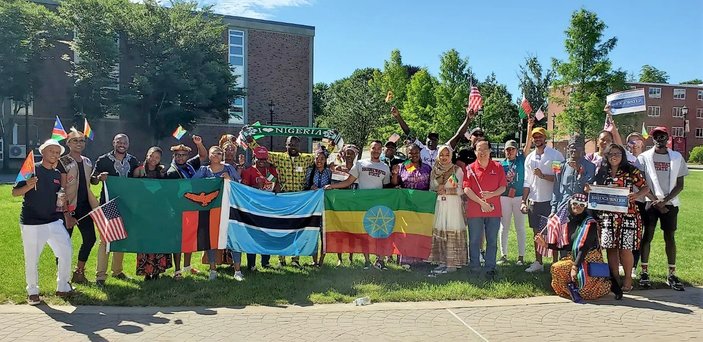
(41, 221)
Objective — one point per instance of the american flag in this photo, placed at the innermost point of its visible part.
(475, 100)
(109, 222)
(557, 231)
(542, 250)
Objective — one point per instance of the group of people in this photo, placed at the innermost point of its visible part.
(472, 189)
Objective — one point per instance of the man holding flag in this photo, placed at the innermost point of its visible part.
(41, 221)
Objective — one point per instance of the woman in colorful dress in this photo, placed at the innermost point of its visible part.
(412, 174)
(449, 248)
(218, 168)
(570, 277)
(620, 232)
(151, 265)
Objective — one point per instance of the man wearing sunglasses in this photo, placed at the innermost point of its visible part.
(664, 170)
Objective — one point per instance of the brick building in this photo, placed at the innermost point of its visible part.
(273, 59)
(679, 107)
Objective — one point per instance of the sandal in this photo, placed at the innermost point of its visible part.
(178, 275)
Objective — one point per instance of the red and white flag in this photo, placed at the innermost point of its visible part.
(475, 100)
(109, 222)
(539, 115)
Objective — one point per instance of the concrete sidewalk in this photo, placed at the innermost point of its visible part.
(646, 315)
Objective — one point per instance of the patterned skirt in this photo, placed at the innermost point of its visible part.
(449, 248)
(152, 264)
(561, 277)
(620, 231)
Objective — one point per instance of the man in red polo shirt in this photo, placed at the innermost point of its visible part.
(484, 182)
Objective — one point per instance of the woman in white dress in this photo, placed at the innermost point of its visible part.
(449, 246)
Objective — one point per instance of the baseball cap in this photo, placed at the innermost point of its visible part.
(539, 130)
(661, 129)
(261, 153)
(477, 132)
(51, 142)
(511, 144)
(391, 143)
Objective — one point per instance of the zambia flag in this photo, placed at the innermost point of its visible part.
(168, 215)
(382, 222)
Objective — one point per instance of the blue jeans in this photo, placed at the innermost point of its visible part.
(477, 226)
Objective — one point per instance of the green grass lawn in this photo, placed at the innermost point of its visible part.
(326, 285)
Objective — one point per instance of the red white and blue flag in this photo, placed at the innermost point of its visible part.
(109, 222)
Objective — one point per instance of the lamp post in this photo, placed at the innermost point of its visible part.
(684, 112)
(271, 108)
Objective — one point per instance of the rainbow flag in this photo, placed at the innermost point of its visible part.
(58, 133)
(87, 131)
(179, 132)
(381, 222)
(27, 169)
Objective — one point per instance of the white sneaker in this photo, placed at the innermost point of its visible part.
(535, 267)
(634, 273)
(238, 276)
(213, 275)
(621, 270)
(519, 263)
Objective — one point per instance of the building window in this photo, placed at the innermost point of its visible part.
(700, 95)
(15, 105)
(676, 131)
(677, 112)
(236, 41)
(679, 94)
(699, 113)
(650, 128)
(655, 93)
(653, 111)
(699, 133)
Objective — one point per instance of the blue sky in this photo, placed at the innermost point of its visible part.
(495, 35)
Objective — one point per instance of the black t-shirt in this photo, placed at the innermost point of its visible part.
(82, 194)
(108, 163)
(39, 206)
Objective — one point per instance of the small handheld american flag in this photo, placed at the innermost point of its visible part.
(109, 222)
(475, 100)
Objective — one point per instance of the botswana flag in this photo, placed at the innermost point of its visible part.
(262, 222)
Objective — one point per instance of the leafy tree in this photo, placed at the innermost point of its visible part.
(182, 75)
(452, 93)
(500, 115)
(650, 74)
(319, 99)
(534, 83)
(420, 103)
(27, 31)
(353, 107)
(97, 29)
(693, 81)
(585, 78)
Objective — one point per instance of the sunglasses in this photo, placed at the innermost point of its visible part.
(614, 155)
(78, 141)
(578, 203)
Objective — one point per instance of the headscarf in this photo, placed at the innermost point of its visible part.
(441, 173)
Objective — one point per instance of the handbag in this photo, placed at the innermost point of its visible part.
(598, 270)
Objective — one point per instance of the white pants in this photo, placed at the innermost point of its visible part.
(511, 209)
(34, 237)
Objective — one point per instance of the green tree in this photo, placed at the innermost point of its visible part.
(500, 115)
(182, 76)
(693, 81)
(586, 77)
(394, 78)
(27, 31)
(535, 83)
(650, 74)
(452, 93)
(319, 99)
(419, 104)
(353, 107)
(97, 29)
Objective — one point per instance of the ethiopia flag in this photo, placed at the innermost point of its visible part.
(262, 222)
(382, 222)
(167, 215)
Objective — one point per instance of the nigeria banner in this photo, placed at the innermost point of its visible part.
(383, 222)
(168, 215)
(257, 131)
(263, 222)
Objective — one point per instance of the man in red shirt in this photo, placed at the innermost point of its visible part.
(484, 182)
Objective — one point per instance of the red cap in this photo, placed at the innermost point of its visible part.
(659, 129)
(261, 153)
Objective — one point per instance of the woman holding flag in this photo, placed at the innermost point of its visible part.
(449, 248)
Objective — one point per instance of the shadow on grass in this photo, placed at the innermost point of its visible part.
(660, 300)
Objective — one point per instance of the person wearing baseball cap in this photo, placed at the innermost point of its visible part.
(539, 185)
(664, 170)
(428, 150)
(510, 200)
(43, 210)
(389, 157)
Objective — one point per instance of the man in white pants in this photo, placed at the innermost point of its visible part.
(511, 200)
(41, 222)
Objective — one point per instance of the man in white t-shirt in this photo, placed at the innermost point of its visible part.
(369, 174)
(664, 170)
(538, 186)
